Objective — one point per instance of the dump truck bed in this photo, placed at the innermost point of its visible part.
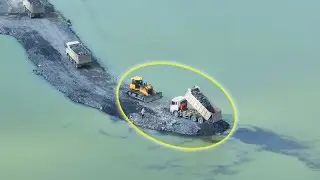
(202, 99)
(80, 49)
(200, 103)
(80, 53)
(36, 3)
(195, 103)
(34, 6)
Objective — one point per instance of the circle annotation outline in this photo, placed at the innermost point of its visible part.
(182, 66)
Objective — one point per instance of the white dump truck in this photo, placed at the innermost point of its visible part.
(201, 109)
(34, 8)
(78, 54)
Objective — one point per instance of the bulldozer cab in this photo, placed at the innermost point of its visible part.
(137, 82)
(142, 91)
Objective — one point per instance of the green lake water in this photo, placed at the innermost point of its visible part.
(265, 53)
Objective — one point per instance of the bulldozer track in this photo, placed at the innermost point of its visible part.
(141, 97)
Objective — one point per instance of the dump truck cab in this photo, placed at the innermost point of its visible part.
(179, 108)
(200, 108)
(178, 103)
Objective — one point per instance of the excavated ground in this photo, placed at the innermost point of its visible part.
(43, 40)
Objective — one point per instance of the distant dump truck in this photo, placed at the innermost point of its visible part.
(201, 109)
(78, 54)
(34, 8)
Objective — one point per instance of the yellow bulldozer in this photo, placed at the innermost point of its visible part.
(142, 91)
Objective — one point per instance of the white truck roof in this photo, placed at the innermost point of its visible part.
(72, 42)
(78, 48)
(178, 99)
(36, 3)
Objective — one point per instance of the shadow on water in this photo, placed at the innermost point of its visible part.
(267, 140)
(276, 143)
(101, 131)
(179, 168)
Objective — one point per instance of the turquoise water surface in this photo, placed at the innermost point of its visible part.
(265, 53)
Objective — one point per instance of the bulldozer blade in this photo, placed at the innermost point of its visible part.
(153, 97)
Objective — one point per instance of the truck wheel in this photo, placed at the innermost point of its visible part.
(200, 120)
(176, 114)
(194, 118)
(69, 58)
(75, 64)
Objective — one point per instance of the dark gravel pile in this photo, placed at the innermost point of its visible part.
(202, 99)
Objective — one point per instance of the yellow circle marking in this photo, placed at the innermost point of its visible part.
(166, 63)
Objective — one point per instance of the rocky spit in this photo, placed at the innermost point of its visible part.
(43, 40)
